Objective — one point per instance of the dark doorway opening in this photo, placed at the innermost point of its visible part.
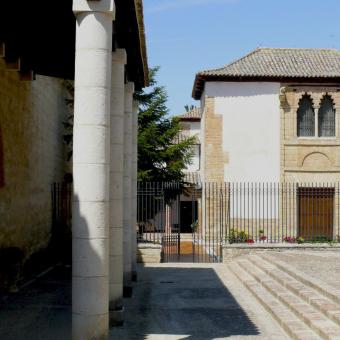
(188, 215)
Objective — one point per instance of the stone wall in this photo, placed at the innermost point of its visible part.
(213, 155)
(312, 159)
(31, 116)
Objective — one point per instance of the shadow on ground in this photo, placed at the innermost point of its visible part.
(40, 311)
(182, 303)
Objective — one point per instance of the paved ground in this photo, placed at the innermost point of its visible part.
(171, 301)
(188, 301)
(322, 265)
(40, 311)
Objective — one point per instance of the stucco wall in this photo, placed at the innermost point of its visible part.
(250, 113)
(31, 115)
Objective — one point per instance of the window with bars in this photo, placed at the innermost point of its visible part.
(306, 118)
(326, 118)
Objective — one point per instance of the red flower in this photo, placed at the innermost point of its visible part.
(250, 241)
(263, 238)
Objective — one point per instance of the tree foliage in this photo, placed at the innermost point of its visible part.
(162, 153)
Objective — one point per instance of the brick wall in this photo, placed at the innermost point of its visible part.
(31, 115)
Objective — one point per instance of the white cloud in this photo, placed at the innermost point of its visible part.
(154, 6)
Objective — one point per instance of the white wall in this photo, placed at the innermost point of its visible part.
(251, 129)
(194, 130)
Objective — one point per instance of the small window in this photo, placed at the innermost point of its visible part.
(306, 118)
(326, 118)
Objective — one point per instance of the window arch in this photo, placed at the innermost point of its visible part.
(326, 117)
(306, 117)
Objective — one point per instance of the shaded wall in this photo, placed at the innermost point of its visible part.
(31, 116)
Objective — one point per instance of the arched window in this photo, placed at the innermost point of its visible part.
(326, 117)
(2, 170)
(306, 117)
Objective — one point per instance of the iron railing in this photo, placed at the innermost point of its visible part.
(61, 217)
(223, 213)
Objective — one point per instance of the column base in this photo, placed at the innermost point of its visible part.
(116, 317)
(134, 276)
(127, 291)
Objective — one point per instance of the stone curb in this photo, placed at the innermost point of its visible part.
(294, 327)
(329, 291)
(320, 324)
(310, 295)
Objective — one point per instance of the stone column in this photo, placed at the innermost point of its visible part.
(90, 293)
(116, 187)
(127, 289)
(134, 189)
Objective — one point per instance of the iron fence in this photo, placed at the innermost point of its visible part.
(61, 198)
(205, 216)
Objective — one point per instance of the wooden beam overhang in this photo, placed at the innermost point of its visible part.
(36, 38)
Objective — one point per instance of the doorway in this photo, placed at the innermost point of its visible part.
(316, 213)
(188, 215)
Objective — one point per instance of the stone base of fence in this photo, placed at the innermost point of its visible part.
(231, 251)
(149, 253)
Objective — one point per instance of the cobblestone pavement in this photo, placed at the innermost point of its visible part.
(322, 265)
(193, 301)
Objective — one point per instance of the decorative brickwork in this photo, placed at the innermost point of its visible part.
(306, 159)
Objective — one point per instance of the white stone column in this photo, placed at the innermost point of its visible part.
(116, 187)
(129, 90)
(134, 167)
(90, 293)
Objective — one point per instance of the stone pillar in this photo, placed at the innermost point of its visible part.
(127, 289)
(90, 293)
(116, 187)
(134, 189)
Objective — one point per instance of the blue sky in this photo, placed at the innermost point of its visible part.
(186, 36)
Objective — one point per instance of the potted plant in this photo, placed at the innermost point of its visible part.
(194, 226)
(262, 236)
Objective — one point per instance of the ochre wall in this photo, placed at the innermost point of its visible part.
(312, 159)
(31, 116)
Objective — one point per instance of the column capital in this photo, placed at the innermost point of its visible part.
(103, 6)
(119, 56)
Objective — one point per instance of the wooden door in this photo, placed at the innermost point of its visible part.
(316, 209)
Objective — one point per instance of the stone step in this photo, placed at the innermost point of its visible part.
(327, 290)
(289, 322)
(316, 298)
(317, 321)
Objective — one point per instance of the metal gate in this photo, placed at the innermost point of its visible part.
(175, 216)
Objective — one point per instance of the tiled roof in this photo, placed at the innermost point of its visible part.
(192, 177)
(274, 63)
(195, 114)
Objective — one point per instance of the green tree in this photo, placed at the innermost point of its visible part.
(162, 153)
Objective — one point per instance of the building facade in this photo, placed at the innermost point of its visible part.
(273, 117)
